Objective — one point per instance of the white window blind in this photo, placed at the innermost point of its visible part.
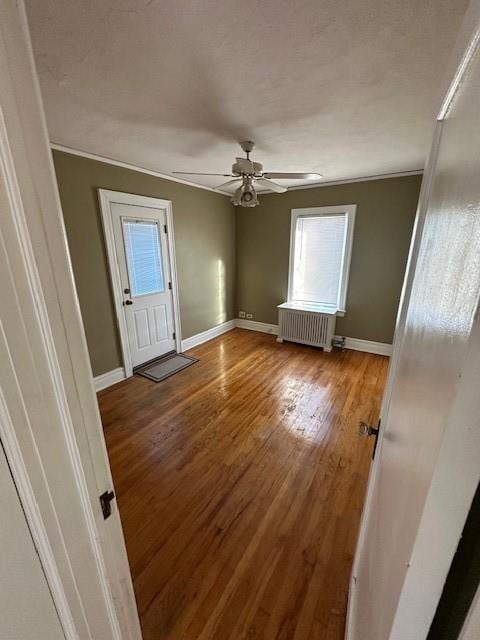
(320, 243)
(144, 261)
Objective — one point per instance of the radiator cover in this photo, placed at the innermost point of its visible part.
(306, 326)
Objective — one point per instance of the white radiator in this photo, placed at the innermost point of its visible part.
(307, 324)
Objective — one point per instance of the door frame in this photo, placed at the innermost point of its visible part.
(49, 419)
(457, 502)
(106, 199)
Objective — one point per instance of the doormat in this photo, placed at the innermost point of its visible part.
(166, 366)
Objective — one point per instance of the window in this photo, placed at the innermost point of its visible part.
(320, 248)
(143, 253)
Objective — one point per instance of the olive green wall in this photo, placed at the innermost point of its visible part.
(383, 227)
(204, 225)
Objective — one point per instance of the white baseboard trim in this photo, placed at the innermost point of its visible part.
(107, 379)
(264, 327)
(379, 348)
(117, 375)
(207, 335)
(356, 344)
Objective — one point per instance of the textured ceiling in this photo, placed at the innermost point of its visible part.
(346, 88)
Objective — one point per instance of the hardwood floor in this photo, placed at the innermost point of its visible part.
(240, 482)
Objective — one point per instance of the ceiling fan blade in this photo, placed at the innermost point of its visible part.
(228, 183)
(292, 176)
(199, 173)
(271, 185)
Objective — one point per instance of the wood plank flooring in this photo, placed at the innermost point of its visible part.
(240, 483)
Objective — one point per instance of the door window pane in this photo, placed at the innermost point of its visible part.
(144, 257)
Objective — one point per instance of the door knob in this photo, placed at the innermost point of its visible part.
(128, 302)
(365, 430)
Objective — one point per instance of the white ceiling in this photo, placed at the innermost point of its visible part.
(346, 88)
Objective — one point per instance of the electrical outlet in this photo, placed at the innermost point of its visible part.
(249, 316)
(241, 314)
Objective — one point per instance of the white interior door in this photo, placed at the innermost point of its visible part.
(144, 265)
(427, 464)
(27, 610)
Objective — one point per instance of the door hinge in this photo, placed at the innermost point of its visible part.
(165, 228)
(170, 286)
(174, 335)
(106, 503)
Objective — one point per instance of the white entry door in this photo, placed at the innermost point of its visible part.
(428, 460)
(145, 279)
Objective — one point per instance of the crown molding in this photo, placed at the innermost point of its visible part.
(164, 176)
(331, 183)
(132, 167)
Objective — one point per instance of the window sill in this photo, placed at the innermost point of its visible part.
(312, 307)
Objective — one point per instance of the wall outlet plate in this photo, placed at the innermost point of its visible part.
(241, 314)
(249, 316)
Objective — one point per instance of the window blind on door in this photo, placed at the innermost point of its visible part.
(318, 258)
(144, 260)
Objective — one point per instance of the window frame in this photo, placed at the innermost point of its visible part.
(349, 210)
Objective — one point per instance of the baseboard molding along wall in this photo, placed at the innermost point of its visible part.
(207, 335)
(117, 375)
(264, 327)
(107, 379)
(379, 348)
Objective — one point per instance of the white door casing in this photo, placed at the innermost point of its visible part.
(150, 326)
(428, 458)
(50, 427)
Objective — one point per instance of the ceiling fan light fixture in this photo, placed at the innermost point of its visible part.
(245, 195)
(247, 171)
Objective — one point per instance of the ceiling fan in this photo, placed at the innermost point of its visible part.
(246, 173)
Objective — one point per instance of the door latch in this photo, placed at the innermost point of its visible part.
(106, 503)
